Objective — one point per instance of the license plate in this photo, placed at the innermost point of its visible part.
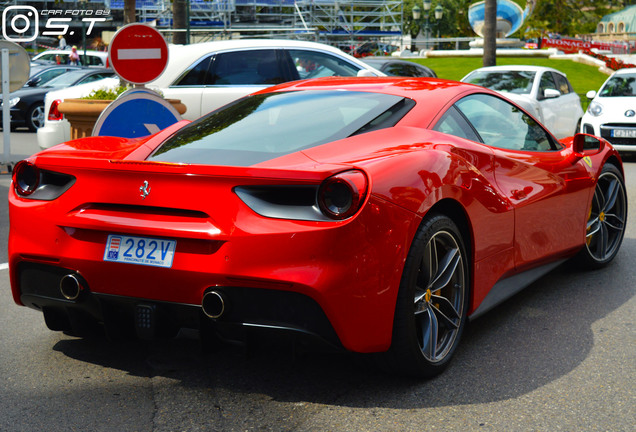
(624, 133)
(140, 250)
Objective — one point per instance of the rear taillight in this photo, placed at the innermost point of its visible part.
(341, 195)
(26, 178)
(35, 183)
(54, 112)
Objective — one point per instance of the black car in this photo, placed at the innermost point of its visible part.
(395, 67)
(27, 104)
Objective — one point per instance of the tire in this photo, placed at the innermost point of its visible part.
(606, 222)
(430, 313)
(35, 117)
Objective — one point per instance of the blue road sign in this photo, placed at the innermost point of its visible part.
(136, 113)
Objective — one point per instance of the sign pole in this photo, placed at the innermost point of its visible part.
(6, 110)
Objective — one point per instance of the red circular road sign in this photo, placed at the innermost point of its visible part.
(138, 53)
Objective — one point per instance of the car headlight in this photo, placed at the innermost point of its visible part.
(12, 102)
(595, 108)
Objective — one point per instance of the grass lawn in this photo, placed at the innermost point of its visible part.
(582, 77)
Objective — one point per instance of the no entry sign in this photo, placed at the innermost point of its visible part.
(138, 53)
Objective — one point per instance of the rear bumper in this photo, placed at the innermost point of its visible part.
(337, 281)
(247, 309)
(53, 133)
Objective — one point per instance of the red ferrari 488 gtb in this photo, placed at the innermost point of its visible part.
(377, 214)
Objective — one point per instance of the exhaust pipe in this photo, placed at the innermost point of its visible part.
(213, 304)
(71, 287)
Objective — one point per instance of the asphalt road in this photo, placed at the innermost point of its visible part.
(560, 356)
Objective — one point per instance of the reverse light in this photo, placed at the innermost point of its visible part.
(341, 195)
(595, 108)
(54, 112)
(26, 178)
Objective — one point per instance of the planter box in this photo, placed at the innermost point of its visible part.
(82, 114)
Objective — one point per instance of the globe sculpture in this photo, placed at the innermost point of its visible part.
(510, 16)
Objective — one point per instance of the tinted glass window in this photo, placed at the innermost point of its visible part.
(263, 127)
(501, 124)
(48, 75)
(256, 67)
(620, 85)
(519, 82)
(562, 83)
(453, 123)
(67, 79)
(197, 76)
(314, 64)
(547, 82)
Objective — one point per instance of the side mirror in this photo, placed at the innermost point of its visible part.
(590, 95)
(33, 82)
(365, 73)
(587, 145)
(551, 93)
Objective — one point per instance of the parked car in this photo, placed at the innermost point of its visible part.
(374, 48)
(374, 214)
(56, 128)
(206, 76)
(27, 104)
(611, 113)
(209, 75)
(396, 67)
(544, 92)
(92, 58)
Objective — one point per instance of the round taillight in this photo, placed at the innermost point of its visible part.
(340, 196)
(26, 178)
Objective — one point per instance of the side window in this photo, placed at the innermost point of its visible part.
(562, 83)
(314, 64)
(503, 125)
(94, 77)
(453, 123)
(547, 82)
(254, 67)
(49, 75)
(195, 76)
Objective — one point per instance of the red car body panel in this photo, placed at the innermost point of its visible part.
(352, 268)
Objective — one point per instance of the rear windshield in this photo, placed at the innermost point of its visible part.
(263, 127)
(511, 81)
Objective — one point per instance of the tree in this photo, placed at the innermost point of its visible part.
(490, 33)
(179, 21)
(130, 11)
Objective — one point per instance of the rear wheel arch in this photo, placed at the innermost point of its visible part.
(455, 211)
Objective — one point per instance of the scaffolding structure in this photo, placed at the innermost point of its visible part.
(337, 22)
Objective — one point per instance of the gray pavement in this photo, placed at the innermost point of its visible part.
(560, 356)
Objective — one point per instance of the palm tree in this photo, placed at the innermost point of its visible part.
(490, 33)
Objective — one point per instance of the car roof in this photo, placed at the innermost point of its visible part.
(103, 54)
(625, 71)
(519, 68)
(183, 56)
(418, 89)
